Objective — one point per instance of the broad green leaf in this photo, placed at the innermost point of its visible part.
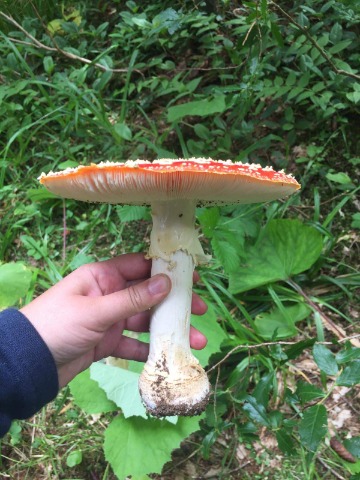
(304, 80)
(15, 432)
(225, 251)
(340, 46)
(353, 96)
(285, 442)
(308, 392)
(54, 27)
(169, 19)
(89, 396)
(131, 213)
(123, 131)
(353, 445)
(286, 248)
(350, 376)
(208, 324)
(354, 468)
(215, 411)
(291, 80)
(138, 446)
(193, 84)
(355, 220)
(202, 131)
(209, 218)
(40, 194)
(49, 65)
(294, 351)
(276, 418)
(101, 82)
(313, 426)
(15, 281)
(199, 108)
(227, 232)
(127, 394)
(348, 354)
(74, 458)
(141, 22)
(277, 352)
(336, 33)
(121, 386)
(208, 441)
(340, 177)
(277, 34)
(256, 411)
(263, 387)
(245, 220)
(303, 20)
(314, 151)
(344, 66)
(325, 360)
(8, 91)
(239, 375)
(276, 322)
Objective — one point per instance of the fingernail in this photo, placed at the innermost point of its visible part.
(159, 284)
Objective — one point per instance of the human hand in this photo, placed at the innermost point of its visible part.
(82, 318)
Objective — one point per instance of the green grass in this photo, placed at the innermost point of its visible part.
(275, 98)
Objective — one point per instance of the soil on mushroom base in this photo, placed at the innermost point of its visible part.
(183, 409)
(165, 396)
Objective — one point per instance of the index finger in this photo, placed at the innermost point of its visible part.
(130, 266)
(101, 278)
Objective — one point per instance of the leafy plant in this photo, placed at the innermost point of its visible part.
(15, 281)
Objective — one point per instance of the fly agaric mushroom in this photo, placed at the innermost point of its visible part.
(172, 382)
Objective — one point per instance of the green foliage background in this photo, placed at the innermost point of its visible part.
(265, 82)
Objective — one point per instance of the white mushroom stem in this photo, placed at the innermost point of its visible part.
(170, 321)
(173, 382)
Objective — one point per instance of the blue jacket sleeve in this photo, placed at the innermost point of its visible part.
(28, 375)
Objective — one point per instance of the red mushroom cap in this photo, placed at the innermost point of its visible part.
(205, 181)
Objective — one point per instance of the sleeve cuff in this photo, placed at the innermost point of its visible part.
(28, 374)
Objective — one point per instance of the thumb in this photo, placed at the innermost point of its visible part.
(132, 300)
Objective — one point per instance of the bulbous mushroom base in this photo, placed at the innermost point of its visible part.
(164, 395)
